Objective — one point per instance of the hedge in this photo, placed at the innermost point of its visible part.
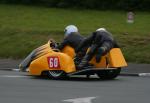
(88, 4)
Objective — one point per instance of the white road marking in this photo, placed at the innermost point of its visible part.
(144, 74)
(80, 100)
(13, 76)
(16, 70)
(10, 69)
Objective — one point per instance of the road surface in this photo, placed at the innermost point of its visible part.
(19, 87)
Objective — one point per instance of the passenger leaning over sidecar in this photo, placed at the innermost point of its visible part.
(100, 43)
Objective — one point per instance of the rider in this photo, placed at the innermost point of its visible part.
(73, 39)
(100, 43)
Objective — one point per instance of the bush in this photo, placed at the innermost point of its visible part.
(90, 4)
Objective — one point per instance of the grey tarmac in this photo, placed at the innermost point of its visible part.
(19, 87)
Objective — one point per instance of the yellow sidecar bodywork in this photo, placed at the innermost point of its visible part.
(49, 59)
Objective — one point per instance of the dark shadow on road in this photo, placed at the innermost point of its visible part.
(78, 79)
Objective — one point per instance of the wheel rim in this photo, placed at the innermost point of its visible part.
(55, 73)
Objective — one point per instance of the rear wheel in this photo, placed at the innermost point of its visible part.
(56, 74)
(109, 74)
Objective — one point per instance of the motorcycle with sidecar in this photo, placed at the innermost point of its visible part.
(57, 64)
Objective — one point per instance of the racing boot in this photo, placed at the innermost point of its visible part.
(84, 63)
(77, 60)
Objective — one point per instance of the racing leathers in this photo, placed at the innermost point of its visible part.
(99, 43)
(73, 40)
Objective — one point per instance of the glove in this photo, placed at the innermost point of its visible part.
(99, 55)
(79, 54)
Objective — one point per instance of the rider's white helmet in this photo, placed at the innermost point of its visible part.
(69, 29)
(101, 29)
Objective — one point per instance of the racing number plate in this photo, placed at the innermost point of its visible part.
(53, 62)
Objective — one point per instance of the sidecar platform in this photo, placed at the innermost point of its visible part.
(89, 71)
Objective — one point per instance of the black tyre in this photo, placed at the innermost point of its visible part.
(109, 74)
(56, 74)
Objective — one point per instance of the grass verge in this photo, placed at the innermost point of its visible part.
(23, 28)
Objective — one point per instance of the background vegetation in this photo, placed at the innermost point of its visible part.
(92, 4)
(23, 28)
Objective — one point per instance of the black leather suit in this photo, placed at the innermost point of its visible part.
(98, 39)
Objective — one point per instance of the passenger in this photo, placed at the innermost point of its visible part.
(100, 43)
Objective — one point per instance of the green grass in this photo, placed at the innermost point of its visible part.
(23, 28)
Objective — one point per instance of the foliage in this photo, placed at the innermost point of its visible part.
(88, 4)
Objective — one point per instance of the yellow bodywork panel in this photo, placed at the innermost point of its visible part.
(69, 51)
(101, 64)
(64, 63)
(44, 53)
(113, 59)
(116, 58)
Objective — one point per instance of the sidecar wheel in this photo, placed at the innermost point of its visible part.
(109, 74)
(56, 74)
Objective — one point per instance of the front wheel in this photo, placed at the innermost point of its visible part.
(56, 74)
(109, 74)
